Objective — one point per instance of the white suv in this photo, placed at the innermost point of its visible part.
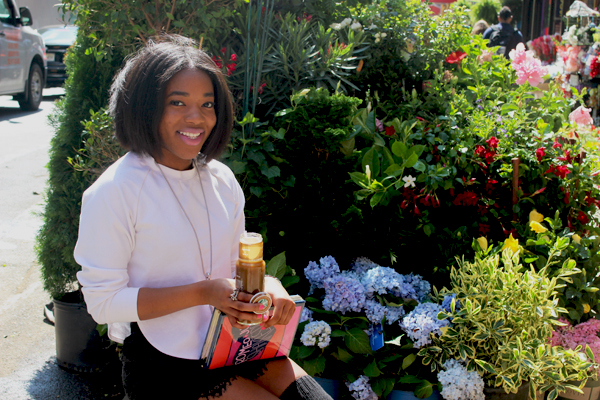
(22, 56)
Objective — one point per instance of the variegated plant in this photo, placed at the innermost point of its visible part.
(502, 318)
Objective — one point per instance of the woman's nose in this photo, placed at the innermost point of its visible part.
(194, 115)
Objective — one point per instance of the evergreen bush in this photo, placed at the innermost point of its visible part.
(86, 89)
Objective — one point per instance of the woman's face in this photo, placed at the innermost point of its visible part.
(188, 118)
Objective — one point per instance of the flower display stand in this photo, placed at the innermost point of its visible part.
(332, 387)
(591, 391)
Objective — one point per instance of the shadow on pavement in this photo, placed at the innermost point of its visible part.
(53, 382)
(10, 108)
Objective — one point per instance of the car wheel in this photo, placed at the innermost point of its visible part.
(35, 84)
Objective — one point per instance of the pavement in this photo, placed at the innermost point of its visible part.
(28, 368)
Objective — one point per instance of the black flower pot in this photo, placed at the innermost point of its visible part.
(79, 346)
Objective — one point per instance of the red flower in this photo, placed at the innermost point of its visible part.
(217, 61)
(484, 229)
(561, 171)
(224, 50)
(480, 151)
(233, 57)
(540, 153)
(567, 157)
(489, 186)
(390, 131)
(420, 119)
(465, 199)
(556, 145)
(583, 218)
(456, 57)
(492, 142)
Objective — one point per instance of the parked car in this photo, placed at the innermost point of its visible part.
(58, 38)
(22, 57)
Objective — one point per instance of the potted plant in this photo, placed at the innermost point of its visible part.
(363, 327)
(502, 318)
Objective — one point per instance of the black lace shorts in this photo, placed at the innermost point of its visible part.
(149, 374)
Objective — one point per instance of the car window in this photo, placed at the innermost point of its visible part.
(61, 34)
(5, 14)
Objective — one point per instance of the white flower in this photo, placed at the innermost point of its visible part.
(460, 384)
(409, 180)
(355, 26)
(316, 332)
(373, 26)
(346, 22)
(336, 26)
(368, 172)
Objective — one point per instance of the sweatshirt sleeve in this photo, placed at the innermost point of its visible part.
(239, 223)
(104, 247)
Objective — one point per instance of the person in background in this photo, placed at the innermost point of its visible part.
(503, 35)
(480, 27)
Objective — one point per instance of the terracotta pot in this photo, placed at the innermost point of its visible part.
(500, 394)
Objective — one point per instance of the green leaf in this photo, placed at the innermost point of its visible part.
(371, 158)
(305, 351)
(314, 366)
(383, 386)
(410, 161)
(343, 355)
(338, 333)
(399, 149)
(288, 281)
(372, 371)
(276, 266)
(238, 167)
(408, 360)
(357, 341)
(424, 389)
(102, 329)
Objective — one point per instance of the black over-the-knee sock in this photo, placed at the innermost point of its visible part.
(305, 388)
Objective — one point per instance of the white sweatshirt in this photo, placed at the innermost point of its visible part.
(133, 234)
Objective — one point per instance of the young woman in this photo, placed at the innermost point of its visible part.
(159, 232)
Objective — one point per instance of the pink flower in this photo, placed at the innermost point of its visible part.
(233, 57)
(584, 333)
(519, 54)
(581, 116)
(530, 70)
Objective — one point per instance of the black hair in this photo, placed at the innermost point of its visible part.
(505, 13)
(138, 90)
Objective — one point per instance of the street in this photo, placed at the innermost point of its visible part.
(28, 367)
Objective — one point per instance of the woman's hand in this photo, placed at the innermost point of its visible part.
(284, 306)
(220, 298)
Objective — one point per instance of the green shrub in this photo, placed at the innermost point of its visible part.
(86, 89)
(486, 10)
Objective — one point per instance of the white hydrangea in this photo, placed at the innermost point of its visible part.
(460, 384)
(316, 333)
(361, 389)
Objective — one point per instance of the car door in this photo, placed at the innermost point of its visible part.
(11, 68)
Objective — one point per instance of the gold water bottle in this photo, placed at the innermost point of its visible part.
(250, 272)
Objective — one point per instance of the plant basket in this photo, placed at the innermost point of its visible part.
(79, 346)
(591, 391)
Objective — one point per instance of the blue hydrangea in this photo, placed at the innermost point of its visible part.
(385, 280)
(362, 264)
(343, 293)
(307, 315)
(421, 286)
(421, 322)
(460, 384)
(375, 312)
(316, 333)
(361, 389)
(317, 274)
(448, 301)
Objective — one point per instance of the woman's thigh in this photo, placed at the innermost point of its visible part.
(279, 375)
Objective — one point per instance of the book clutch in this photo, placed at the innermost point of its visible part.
(226, 346)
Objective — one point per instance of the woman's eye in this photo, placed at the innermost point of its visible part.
(176, 103)
(209, 104)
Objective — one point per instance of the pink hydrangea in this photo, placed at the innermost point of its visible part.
(528, 67)
(581, 116)
(530, 70)
(584, 333)
(519, 54)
